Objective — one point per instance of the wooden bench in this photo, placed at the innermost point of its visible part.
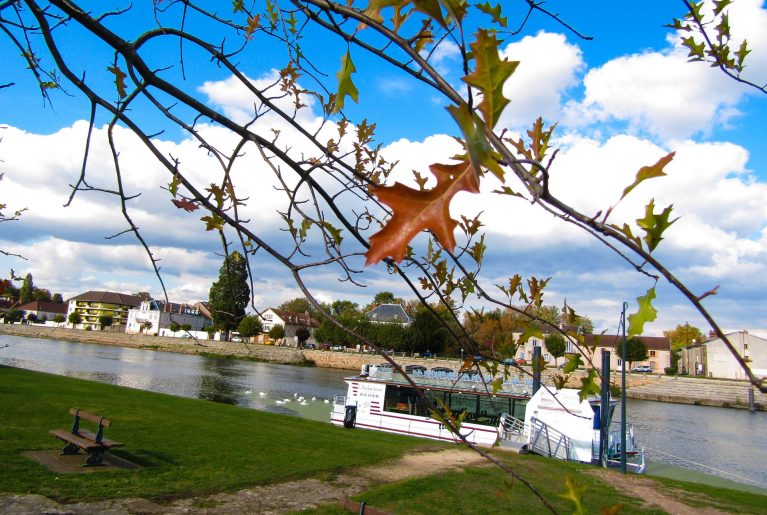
(93, 443)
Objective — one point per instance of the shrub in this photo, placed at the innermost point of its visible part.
(671, 371)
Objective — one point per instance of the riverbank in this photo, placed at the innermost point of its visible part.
(680, 390)
(225, 459)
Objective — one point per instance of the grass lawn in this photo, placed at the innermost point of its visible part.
(185, 446)
(192, 448)
(487, 490)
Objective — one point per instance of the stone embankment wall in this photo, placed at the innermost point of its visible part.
(684, 390)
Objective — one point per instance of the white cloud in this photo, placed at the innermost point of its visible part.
(657, 92)
(548, 67)
(660, 93)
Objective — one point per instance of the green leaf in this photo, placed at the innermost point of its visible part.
(174, 184)
(649, 172)
(213, 222)
(432, 9)
(696, 49)
(494, 13)
(456, 9)
(720, 5)
(529, 332)
(345, 85)
(741, 54)
(589, 386)
(480, 152)
(573, 362)
(574, 494)
(645, 313)
(217, 193)
(334, 232)
(305, 226)
(655, 224)
(489, 76)
(119, 80)
(237, 6)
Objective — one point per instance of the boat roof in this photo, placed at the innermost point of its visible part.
(385, 375)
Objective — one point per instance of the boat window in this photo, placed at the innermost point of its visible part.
(401, 399)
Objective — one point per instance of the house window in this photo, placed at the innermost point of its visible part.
(268, 316)
(652, 353)
(620, 363)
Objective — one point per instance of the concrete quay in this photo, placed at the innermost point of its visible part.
(699, 391)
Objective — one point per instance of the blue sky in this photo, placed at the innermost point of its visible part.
(622, 100)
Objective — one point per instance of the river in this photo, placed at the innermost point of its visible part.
(724, 442)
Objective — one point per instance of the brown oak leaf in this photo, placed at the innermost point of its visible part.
(185, 204)
(416, 210)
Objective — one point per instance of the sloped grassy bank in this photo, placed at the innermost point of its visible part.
(195, 448)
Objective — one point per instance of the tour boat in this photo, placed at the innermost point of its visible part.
(554, 423)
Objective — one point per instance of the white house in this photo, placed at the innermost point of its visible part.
(45, 310)
(290, 322)
(717, 361)
(156, 316)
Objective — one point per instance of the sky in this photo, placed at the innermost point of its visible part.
(621, 100)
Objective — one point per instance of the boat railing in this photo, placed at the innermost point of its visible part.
(511, 426)
(547, 441)
(339, 400)
(614, 443)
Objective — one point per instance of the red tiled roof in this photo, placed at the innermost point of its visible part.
(296, 318)
(44, 305)
(614, 341)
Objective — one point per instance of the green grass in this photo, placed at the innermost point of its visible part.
(487, 490)
(185, 446)
(193, 448)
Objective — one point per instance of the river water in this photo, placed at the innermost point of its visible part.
(724, 442)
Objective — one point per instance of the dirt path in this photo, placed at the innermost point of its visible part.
(648, 490)
(271, 499)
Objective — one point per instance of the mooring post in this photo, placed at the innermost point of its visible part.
(537, 365)
(751, 404)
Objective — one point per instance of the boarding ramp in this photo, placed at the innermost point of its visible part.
(547, 441)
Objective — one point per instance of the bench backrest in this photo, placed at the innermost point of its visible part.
(102, 421)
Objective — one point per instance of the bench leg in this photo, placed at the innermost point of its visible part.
(70, 449)
(96, 458)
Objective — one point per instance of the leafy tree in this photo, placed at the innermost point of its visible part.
(27, 289)
(636, 350)
(683, 336)
(13, 316)
(345, 308)
(302, 334)
(556, 345)
(32, 318)
(174, 327)
(58, 319)
(57, 298)
(105, 321)
(74, 319)
(276, 333)
(250, 326)
(41, 294)
(297, 305)
(229, 295)
(426, 333)
(186, 327)
(146, 326)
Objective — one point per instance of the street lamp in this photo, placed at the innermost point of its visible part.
(461, 355)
